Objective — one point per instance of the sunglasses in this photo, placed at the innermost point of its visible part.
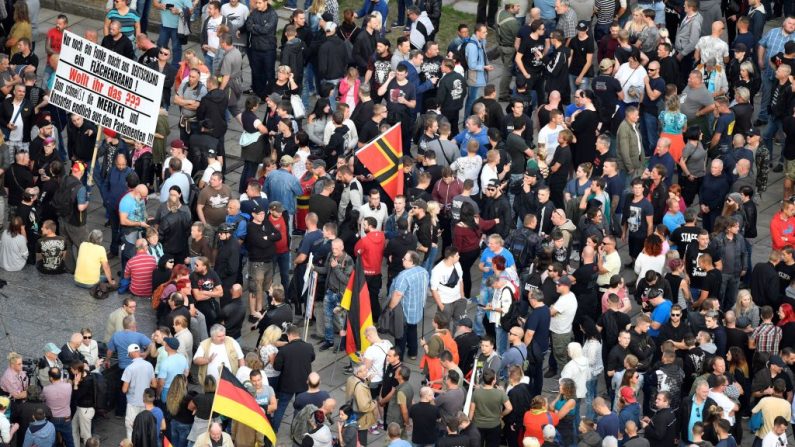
(676, 315)
(86, 337)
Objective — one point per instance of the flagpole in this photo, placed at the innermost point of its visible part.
(215, 395)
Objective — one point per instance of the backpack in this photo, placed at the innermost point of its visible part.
(100, 392)
(518, 245)
(462, 54)
(511, 318)
(63, 201)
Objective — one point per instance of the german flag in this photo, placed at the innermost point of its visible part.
(382, 157)
(235, 402)
(356, 300)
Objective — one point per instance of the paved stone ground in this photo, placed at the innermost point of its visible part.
(35, 309)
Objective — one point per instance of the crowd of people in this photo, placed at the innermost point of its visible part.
(612, 124)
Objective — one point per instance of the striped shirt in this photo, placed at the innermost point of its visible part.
(605, 11)
(139, 269)
(413, 285)
(127, 21)
(767, 337)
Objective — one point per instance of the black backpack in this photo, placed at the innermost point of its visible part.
(461, 52)
(510, 318)
(519, 246)
(63, 201)
(100, 392)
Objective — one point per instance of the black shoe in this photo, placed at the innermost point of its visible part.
(550, 374)
(252, 319)
(249, 92)
(107, 224)
(325, 346)
(348, 370)
(778, 168)
(759, 123)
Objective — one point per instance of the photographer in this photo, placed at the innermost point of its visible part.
(16, 379)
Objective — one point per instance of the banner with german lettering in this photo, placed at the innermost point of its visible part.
(382, 157)
(108, 89)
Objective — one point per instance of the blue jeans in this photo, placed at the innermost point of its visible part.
(143, 7)
(767, 91)
(773, 126)
(283, 261)
(262, 61)
(430, 258)
(284, 400)
(502, 340)
(483, 298)
(601, 30)
(208, 61)
(170, 34)
(65, 429)
(585, 85)
(649, 133)
(330, 301)
(401, 12)
(309, 84)
(472, 95)
(332, 95)
(179, 433)
(591, 387)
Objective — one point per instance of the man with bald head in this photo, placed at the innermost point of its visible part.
(215, 436)
(69, 352)
(654, 86)
(743, 175)
(662, 156)
(313, 395)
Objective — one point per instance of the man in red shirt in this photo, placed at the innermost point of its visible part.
(139, 270)
(52, 44)
(782, 226)
(282, 256)
(371, 249)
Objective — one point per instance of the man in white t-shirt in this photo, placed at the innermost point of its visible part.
(236, 14)
(717, 392)
(178, 151)
(210, 40)
(211, 356)
(447, 286)
(548, 135)
(375, 356)
(560, 325)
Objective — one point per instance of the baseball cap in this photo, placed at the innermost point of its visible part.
(276, 206)
(466, 321)
(752, 132)
(628, 395)
(109, 133)
(133, 348)
(531, 172)
(178, 144)
(776, 360)
(605, 64)
(50, 347)
(582, 25)
(327, 17)
(740, 47)
(564, 281)
(225, 228)
(419, 203)
(211, 153)
(172, 342)
(257, 209)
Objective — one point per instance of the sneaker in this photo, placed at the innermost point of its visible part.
(348, 370)
(550, 374)
(325, 346)
(778, 168)
(289, 8)
(374, 431)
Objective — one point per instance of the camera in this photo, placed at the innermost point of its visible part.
(29, 365)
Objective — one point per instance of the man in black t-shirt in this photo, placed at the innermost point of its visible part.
(710, 286)
(206, 288)
(685, 234)
(401, 99)
(693, 268)
(582, 53)
(379, 67)
(530, 62)
(608, 92)
(370, 130)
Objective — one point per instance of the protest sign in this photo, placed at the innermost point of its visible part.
(107, 89)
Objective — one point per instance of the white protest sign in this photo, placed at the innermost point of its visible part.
(107, 89)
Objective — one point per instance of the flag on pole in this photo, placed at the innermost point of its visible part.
(235, 402)
(382, 157)
(356, 300)
(166, 442)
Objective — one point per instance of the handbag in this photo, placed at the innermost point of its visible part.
(124, 285)
(299, 111)
(756, 422)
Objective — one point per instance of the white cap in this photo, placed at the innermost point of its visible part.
(133, 348)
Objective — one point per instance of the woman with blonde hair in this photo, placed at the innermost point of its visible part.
(285, 85)
(316, 10)
(674, 124)
(490, 173)
(253, 363)
(434, 208)
(636, 26)
(22, 27)
(746, 311)
(268, 348)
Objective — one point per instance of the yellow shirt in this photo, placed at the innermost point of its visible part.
(771, 407)
(89, 263)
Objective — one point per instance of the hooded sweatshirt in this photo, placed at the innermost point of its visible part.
(577, 370)
(321, 437)
(590, 439)
(371, 247)
(213, 107)
(40, 434)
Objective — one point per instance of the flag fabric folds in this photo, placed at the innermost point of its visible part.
(382, 157)
(356, 300)
(235, 402)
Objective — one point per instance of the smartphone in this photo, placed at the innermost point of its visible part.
(169, 5)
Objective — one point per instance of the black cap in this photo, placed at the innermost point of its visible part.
(582, 25)
(466, 321)
(740, 47)
(225, 228)
(257, 209)
(752, 132)
(327, 17)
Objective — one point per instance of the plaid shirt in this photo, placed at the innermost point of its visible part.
(567, 24)
(413, 285)
(767, 337)
(773, 42)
